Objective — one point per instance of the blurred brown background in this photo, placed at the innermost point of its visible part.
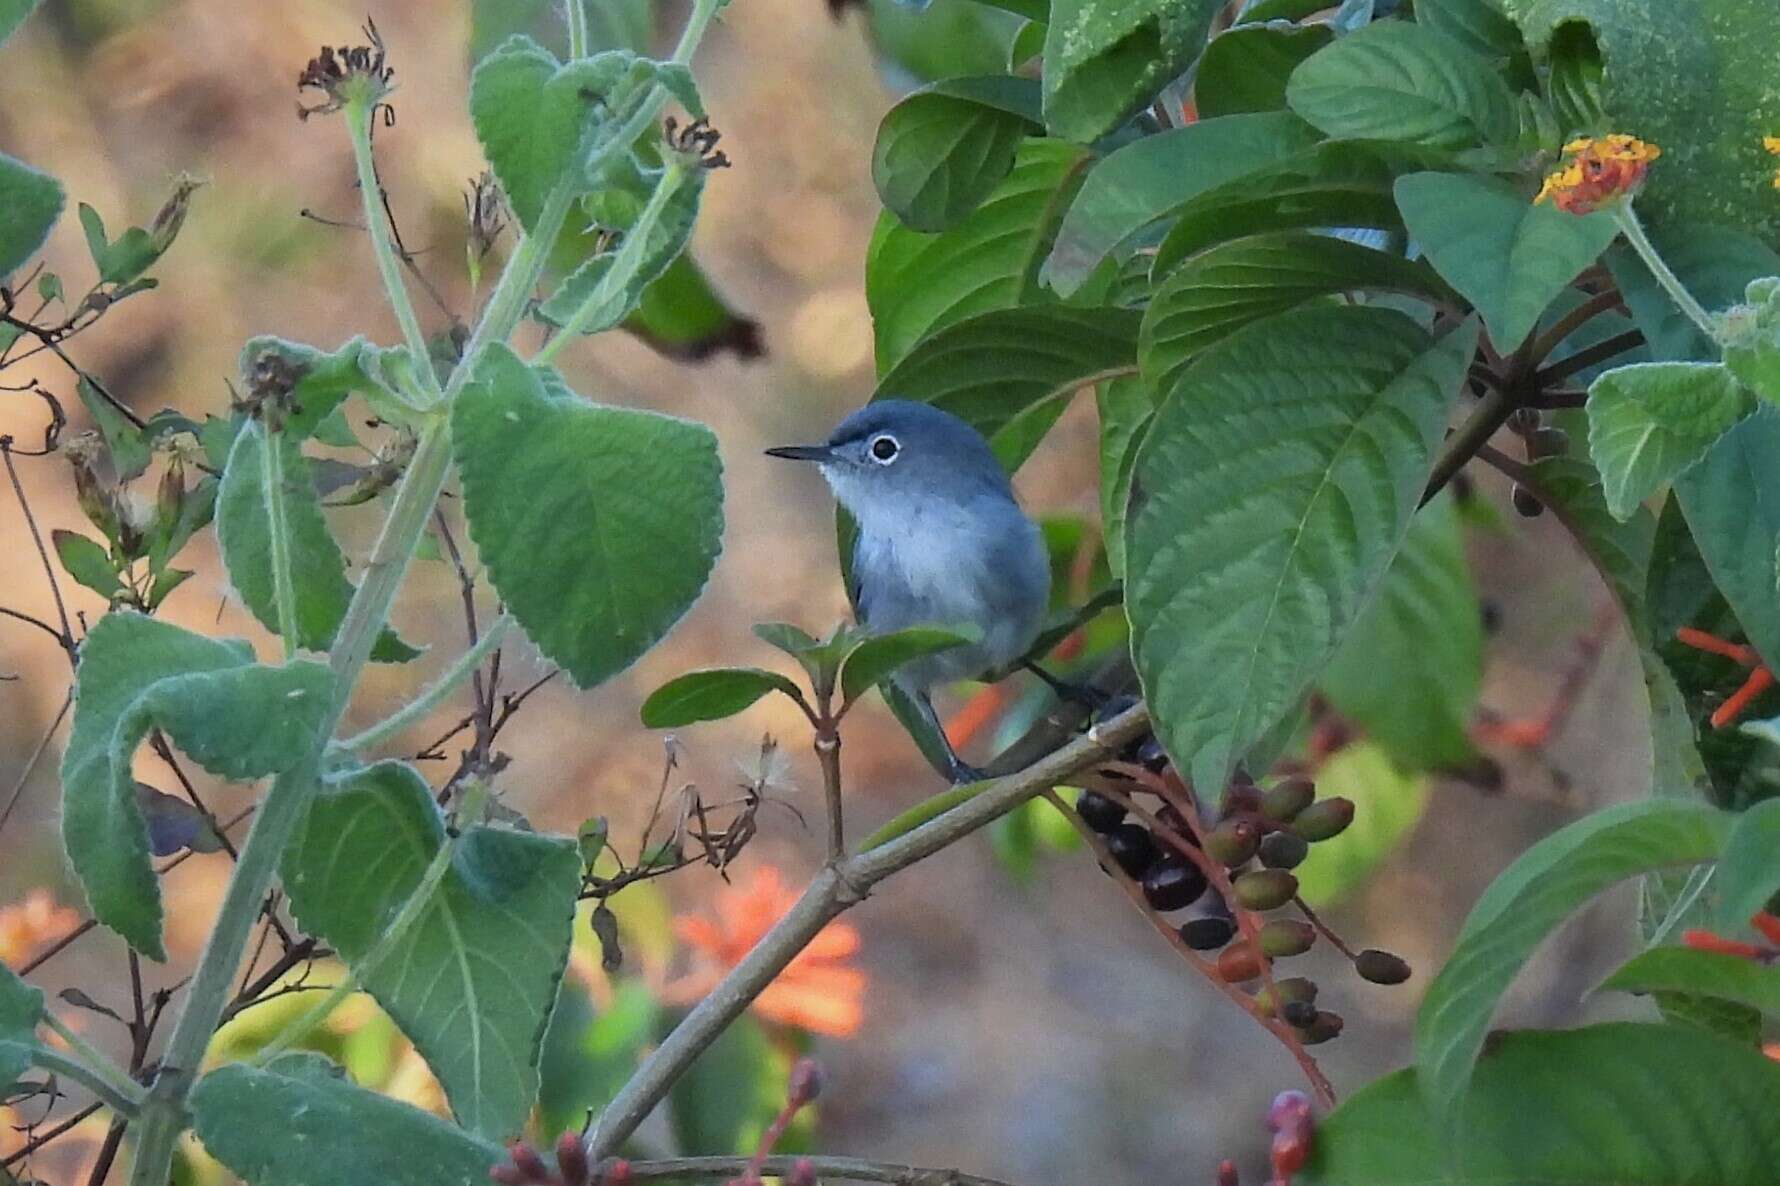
(1037, 1032)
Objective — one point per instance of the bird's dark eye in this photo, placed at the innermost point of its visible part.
(885, 449)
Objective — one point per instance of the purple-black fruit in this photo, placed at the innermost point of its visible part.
(1172, 883)
(1132, 847)
(1209, 933)
(1099, 812)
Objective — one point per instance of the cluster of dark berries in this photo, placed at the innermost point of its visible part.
(1261, 835)
(1541, 441)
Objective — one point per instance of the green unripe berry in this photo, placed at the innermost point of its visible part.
(1324, 819)
(1381, 967)
(1285, 937)
(1287, 798)
(1265, 889)
(1234, 841)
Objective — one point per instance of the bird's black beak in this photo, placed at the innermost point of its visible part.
(803, 452)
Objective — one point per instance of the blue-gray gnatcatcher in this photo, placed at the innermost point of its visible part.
(941, 541)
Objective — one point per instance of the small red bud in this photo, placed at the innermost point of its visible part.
(1227, 1175)
(526, 1160)
(616, 1174)
(571, 1159)
(803, 1173)
(806, 1082)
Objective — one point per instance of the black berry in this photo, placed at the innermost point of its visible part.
(1099, 812)
(1209, 933)
(1132, 847)
(1172, 883)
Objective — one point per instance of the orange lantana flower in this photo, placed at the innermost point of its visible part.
(1598, 171)
(820, 991)
(1772, 144)
(31, 924)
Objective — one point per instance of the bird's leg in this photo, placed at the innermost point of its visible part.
(957, 769)
(1080, 694)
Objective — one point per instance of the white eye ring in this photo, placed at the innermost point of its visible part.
(884, 449)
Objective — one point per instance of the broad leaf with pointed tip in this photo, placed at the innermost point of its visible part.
(1106, 59)
(598, 525)
(945, 148)
(30, 203)
(1508, 255)
(711, 695)
(1272, 490)
(299, 1121)
(1246, 68)
(235, 718)
(877, 657)
(1711, 974)
(1548, 883)
(473, 980)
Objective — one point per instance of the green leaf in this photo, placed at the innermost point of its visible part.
(1246, 68)
(87, 562)
(298, 1121)
(321, 379)
(599, 525)
(944, 149)
(1388, 801)
(235, 718)
(1125, 411)
(30, 203)
(473, 981)
(1149, 179)
(1731, 498)
(588, 1057)
(318, 569)
(1399, 81)
(1509, 257)
(997, 369)
(944, 39)
(1627, 1104)
(683, 316)
(1749, 867)
(917, 284)
(711, 695)
(729, 1095)
(1700, 973)
(1223, 289)
(663, 243)
(21, 1008)
(1271, 492)
(130, 453)
(1548, 883)
(876, 658)
(1715, 264)
(12, 15)
(1649, 422)
(1410, 669)
(1696, 79)
(1331, 185)
(1106, 59)
(1478, 25)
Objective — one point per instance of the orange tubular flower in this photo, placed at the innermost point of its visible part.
(820, 991)
(32, 924)
(1598, 171)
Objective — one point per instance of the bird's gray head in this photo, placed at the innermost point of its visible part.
(891, 450)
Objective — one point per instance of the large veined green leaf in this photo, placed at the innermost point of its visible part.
(1003, 371)
(1410, 669)
(663, 243)
(918, 283)
(1331, 185)
(1509, 256)
(1388, 800)
(1224, 288)
(1271, 492)
(298, 1121)
(233, 717)
(21, 1008)
(30, 203)
(1548, 883)
(1106, 59)
(1731, 498)
(1478, 25)
(1623, 1104)
(599, 525)
(1149, 179)
(1697, 79)
(1246, 68)
(1399, 81)
(473, 980)
(318, 570)
(945, 148)
(1650, 421)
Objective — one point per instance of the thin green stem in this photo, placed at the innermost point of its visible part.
(624, 266)
(358, 124)
(1633, 230)
(694, 32)
(284, 587)
(120, 1095)
(95, 1061)
(417, 709)
(576, 10)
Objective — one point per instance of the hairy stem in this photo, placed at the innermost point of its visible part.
(836, 887)
(284, 589)
(1633, 230)
(120, 1095)
(416, 710)
(358, 124)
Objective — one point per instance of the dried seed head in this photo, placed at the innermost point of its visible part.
(359, 74)
(697, 142)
